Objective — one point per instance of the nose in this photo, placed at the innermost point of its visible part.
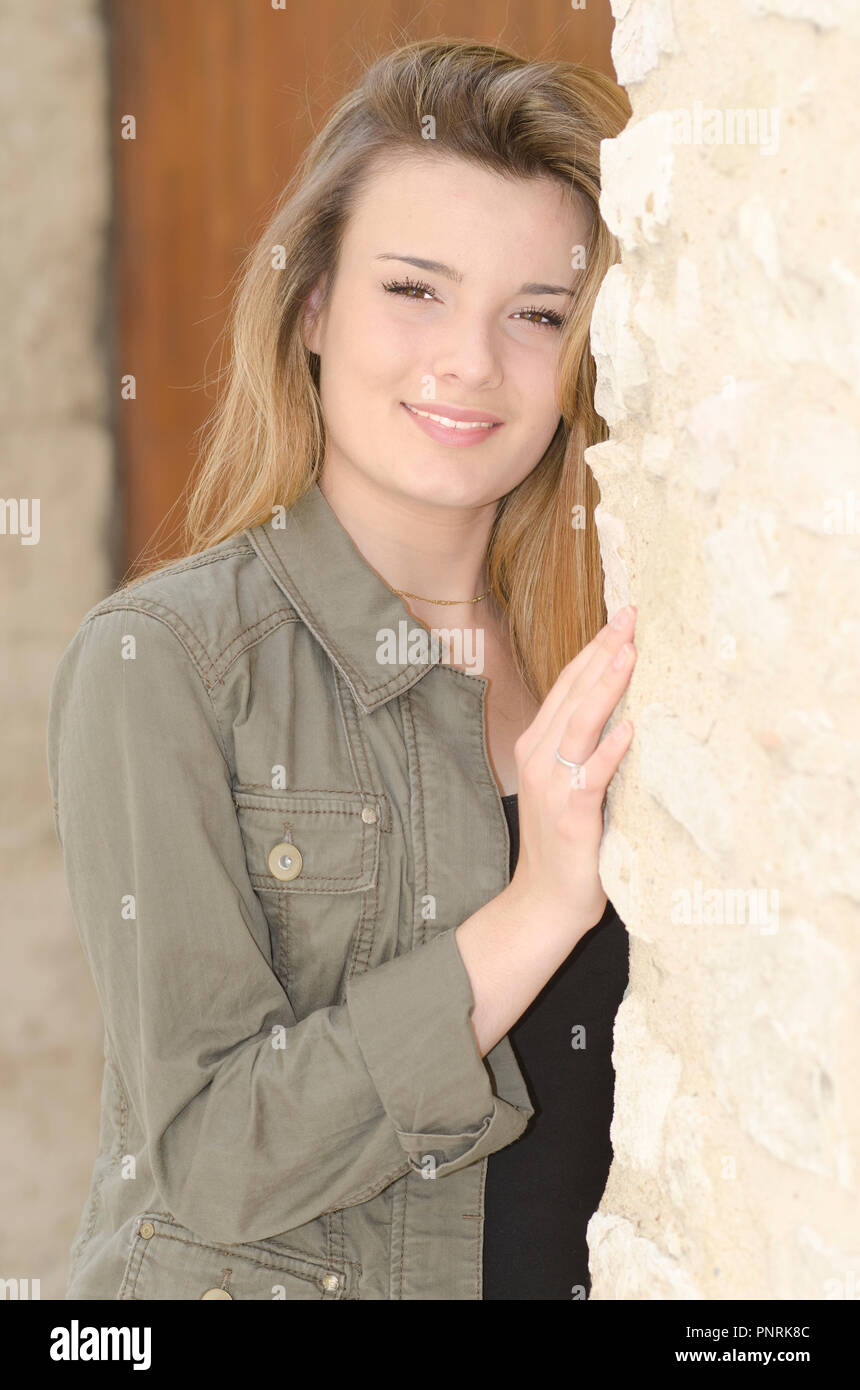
(467, 350)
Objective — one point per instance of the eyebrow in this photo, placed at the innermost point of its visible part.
(438, 268)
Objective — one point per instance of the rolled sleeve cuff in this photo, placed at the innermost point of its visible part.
(412, 1019)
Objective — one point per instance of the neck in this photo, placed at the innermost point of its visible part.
(433, 551)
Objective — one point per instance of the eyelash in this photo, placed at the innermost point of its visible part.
(554, 319)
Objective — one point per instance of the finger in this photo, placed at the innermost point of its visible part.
(578, 724)
(604, 762)
(590, 783)
(601, 648)
(604, 653)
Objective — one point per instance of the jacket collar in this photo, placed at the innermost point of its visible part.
(340, 598)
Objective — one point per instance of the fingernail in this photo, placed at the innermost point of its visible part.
(621, 618)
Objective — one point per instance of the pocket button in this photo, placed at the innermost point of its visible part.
(330, 1283)
(147, 1229)
(216, 1293)
(285, 861)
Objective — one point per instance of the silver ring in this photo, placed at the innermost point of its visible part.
(577, 767)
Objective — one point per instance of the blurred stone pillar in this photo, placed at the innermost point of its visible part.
(56, 480)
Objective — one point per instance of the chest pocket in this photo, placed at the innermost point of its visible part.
(314, 860)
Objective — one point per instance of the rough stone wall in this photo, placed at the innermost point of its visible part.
(57, 486)
(728, 348)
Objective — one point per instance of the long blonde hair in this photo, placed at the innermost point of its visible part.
(265, 441)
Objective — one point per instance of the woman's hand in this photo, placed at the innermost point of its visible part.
(560, 811)
(513, 944)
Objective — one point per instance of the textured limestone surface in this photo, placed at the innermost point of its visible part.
(727, 343)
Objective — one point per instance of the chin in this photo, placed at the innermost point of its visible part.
(457, 483)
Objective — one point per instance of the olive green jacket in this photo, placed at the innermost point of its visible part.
(270, 836)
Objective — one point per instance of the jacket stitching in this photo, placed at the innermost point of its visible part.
(353, 1199)
(133, 1271)
(358, 751)
(276, 1265)
(152, 609)
(150, 612)
(207, 666)
(357, 677)
(194, 562)
(403, 1234)
(479, 1244)
(415, 765)
(284, 953)
(85, 1236)
(300, 810)
(335, 1257)
(371, 906)
(360, 776)
(122, 1105)
(340, 1256)
(270, 882)
(286, 615)
(259, 804)
(331, 791)
(275, 1261)
(371, 902)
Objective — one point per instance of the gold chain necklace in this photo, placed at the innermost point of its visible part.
(404, 593)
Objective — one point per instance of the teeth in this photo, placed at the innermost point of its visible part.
(452, 424)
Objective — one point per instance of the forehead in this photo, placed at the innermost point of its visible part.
(455, 210)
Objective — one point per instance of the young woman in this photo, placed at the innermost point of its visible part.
(354, 1046)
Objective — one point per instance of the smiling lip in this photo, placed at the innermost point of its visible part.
(454, 412)
(470, 427)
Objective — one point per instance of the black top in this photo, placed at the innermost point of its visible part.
(543, 1188)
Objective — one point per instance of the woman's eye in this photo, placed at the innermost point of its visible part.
(551, 318)
(408, 289)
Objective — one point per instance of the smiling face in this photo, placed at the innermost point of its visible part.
(447, 302)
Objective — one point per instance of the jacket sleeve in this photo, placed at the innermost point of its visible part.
(255, 1122)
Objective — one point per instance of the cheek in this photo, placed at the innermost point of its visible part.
(536, 385)
(348, 366)
(375, 349)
